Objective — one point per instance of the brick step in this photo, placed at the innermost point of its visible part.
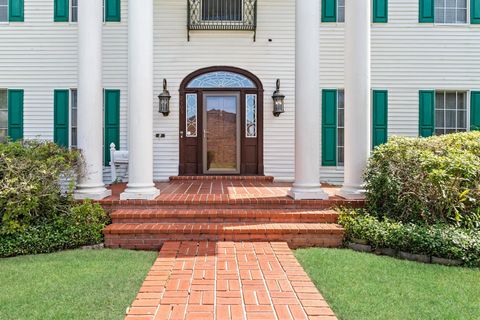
(223, 178)
(151, 236)
(224, 215)
(223, 203)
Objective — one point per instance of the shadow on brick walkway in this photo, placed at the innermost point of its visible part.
(227, 280)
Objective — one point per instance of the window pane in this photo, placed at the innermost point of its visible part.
(341, 99)
(439, 119)
(462, 15)
(251, 110)
(439, 15)
(450, 121)
(341, 14)
(3, 119)
(341, 138)
(439, 101)
(450, 15)
(340, 156)
(461, 100)
(439, 132)
(461, 120)
(462, 4)
(223, 10)
(451, 3)
(191, 115)
(3, 99)
(451, 100)
(74, 138)
(341, 118)
(439, 3)
(3, 14)
(3, 2)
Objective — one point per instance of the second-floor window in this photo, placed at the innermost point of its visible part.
(451, 11)
(222, 10)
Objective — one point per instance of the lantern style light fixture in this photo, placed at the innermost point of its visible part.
(164, 100)
(278, 101)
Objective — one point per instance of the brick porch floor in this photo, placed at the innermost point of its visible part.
(227, 280)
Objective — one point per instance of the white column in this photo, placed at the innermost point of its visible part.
(357, 96)
(90, 100)
(140, 101)
(307, 102)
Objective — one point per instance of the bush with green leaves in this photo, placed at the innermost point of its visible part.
(36, 214)
(440, 240)
(30, 177)
(83, 225)
(429, 180)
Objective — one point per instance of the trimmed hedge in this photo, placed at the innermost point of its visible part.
(83, 226)
(428, 180)
(443, 241)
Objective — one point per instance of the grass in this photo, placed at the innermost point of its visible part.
(80, 284)
(366, 286)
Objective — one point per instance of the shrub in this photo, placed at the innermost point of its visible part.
(36, 215)
(83, 225)
(30, 175)
(429, 180)
(443, 241)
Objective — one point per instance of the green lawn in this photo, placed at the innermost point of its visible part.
(80, 284)
(366, 286)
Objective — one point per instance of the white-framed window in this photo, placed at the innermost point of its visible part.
(74, 11)
(451, 11)
(3, 114)
(340, 127)
(340, 10)
(73, 118)
(450, 112)
(3, 10)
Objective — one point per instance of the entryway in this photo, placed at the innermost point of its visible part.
(221, 123)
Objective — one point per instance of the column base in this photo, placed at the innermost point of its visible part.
(97, 193)
(140, 193)
(352, 193)
(307, 193)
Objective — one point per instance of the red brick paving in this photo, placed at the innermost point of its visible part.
(226, 281)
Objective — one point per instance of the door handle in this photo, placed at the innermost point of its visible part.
(205, 132)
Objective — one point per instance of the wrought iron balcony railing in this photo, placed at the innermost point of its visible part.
(222, 15)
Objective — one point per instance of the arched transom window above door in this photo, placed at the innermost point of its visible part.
(221, 79)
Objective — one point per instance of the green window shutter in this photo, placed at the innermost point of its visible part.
(427, 113)
(112, 10)
(380, 117)
(60, 10)
(475, 11)
(380, 11)
(60, 117)
(329, 127)
(15, 114)
(112, 122)
(329, 10)
(475, 110)
(15, 10)
(426, 11)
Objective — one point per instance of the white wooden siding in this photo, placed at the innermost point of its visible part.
(40, 56)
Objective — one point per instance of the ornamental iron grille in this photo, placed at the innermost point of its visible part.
(222, 15)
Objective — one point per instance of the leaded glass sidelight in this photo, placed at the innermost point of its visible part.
(192, 115)
(221, 79)
(251, 116)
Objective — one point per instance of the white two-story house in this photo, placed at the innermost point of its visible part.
(300, 90)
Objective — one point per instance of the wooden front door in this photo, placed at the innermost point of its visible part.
(221, 127)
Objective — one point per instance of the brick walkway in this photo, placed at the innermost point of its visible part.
(226, 280)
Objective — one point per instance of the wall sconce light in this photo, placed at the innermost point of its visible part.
(164, 100)
(278, 101)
